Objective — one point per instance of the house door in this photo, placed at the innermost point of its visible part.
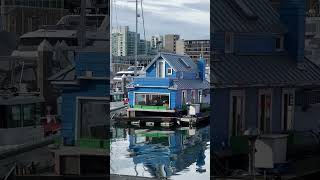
(287, 109)
(265, 110)
(237, 121)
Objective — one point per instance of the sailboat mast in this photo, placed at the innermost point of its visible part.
(136, 43)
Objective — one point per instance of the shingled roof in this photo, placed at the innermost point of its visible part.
(245, 16)
(231, 70)
(180, 63)
(190, 84)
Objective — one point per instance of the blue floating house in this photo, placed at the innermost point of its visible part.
(257, 67)
(84, 100)
(170, 83)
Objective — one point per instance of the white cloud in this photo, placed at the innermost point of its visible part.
(167, 9)
(189, 13)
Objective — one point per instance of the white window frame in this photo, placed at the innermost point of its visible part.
(200, 96)
(185, 92)
(152, 93)
(78, 111)
(238, 93)
(287, 91)
(230, 48)
(265, 92)
(163, 68)
(169, 73)
(193, 96)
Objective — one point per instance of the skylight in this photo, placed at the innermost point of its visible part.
(184, 63)
(245, 9)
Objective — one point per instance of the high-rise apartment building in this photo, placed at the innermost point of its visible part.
(123, 42)
(157, 42)
(170, 42)
(194, 48)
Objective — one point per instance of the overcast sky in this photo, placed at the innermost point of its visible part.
(189, 18)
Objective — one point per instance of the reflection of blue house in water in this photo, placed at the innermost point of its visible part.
(258, 66)
(84, 95)
(171, 81)
(168, 153)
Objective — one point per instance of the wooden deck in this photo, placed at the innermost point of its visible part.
(150, 121)
(123, 177)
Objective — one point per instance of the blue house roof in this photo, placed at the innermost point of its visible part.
(263, 70)
(245, 16)
(179, 63)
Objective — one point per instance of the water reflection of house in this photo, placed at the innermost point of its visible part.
(166, 153)
(171, 81)
(258, 67)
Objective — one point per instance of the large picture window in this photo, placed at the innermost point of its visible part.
(144, 99)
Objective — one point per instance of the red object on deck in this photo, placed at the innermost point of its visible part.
(50, 125)
(125, 101)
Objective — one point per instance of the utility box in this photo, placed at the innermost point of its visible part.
(194, 109)
(271, 148)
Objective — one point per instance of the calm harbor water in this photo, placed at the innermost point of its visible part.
(182, 153)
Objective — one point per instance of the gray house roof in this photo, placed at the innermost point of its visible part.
(190, 84)
(179, 63)
(245, 16)
(231, 70)
(67, 74)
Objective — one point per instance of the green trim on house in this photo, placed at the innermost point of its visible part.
(151, 107)
(153, 134)
(93, 143)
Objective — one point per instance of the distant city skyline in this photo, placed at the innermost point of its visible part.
(188, 18)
